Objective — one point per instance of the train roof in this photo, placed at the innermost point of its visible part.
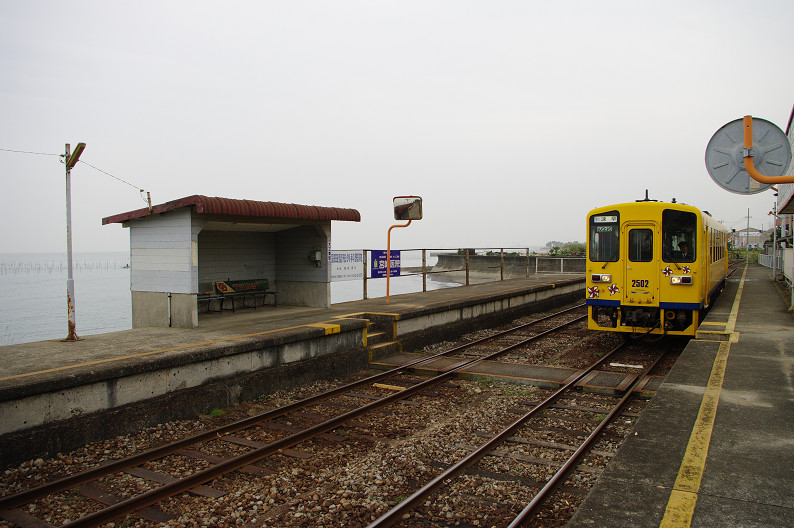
(652, 205)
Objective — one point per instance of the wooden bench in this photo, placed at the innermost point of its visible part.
(203, 299)
(246, 290)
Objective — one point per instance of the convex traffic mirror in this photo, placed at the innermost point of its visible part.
(407, 208)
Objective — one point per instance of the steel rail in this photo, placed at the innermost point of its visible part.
(155, 495)
(29, 495)
(396, 514)
(558, 477)
(185, 484)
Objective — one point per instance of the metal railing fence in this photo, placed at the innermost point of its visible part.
(461, 266)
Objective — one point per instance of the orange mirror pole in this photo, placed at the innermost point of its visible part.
(388, 256)
(748, 158)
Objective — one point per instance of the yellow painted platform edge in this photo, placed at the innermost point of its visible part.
(329, 328)
(684, 495)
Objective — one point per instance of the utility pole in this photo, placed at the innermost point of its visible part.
(70, 160)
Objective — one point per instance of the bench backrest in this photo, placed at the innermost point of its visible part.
(241, 286)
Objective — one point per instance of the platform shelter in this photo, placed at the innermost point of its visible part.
(180, 249)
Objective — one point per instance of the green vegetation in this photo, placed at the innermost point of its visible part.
(217, 412)
(485, 383)
(742, 254)
(566, 249)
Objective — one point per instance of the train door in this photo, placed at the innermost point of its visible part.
(641, 286)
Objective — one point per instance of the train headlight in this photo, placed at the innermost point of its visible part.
(680, 279)
(603, 277)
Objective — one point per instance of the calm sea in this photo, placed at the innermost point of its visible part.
(33, 294)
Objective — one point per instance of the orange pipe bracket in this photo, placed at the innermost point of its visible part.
(388, 256)
(748, 158)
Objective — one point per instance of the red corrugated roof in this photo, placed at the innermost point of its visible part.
(231, 207)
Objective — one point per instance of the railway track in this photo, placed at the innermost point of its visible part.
(515, 434)
(143, 490)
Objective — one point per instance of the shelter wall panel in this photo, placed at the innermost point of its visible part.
(160, 259)
(177, 217)
(235, 256)
(154, 239)
(161, 281)
(152, 235)
(295, 246)
(160, 253)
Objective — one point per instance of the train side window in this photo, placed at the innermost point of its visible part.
(679, 236)
(640, 245)
(604, 237)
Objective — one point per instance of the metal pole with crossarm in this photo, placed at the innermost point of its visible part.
(70, 160)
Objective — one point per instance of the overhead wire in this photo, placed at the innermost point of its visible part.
(111, 175)
(140, 190)
(28, 152)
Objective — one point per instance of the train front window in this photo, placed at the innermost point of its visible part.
(679, 236)
(604, 237)
(640, 245)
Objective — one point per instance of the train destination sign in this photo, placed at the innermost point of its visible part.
(605, 219)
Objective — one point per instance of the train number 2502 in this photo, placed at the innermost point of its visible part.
(639, 283)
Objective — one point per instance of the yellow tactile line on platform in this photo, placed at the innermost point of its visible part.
(163, 350)
(684, 496)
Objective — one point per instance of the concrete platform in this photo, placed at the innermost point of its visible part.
(715, 446)
(55, 395)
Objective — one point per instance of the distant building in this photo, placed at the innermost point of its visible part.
(748, 238)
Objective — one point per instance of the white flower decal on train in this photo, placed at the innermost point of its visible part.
(613, 289)
(685, 269)
(667, 271)
(592, 292)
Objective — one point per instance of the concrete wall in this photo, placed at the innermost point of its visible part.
(63, 414)
(514, 266)
(417, 329)
(315, 294)
(164, 309)
(149, 309)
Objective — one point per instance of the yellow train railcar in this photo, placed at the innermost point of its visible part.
(653, 267)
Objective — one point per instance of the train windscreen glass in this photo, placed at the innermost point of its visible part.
(604, 237)
(679, 236)
(640, 245)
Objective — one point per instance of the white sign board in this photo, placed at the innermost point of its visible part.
(347, 265)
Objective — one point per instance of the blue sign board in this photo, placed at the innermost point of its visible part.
(379, 264)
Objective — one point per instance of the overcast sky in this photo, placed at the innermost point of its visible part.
(512, 119)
